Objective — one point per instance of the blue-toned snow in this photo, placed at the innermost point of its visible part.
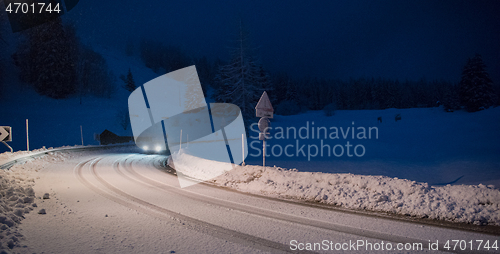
(427, 144)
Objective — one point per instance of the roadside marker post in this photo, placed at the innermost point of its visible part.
(243, 149)
(27, 137)
(81, 133)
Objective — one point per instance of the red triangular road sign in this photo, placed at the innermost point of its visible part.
(264, 107)
(264, 103)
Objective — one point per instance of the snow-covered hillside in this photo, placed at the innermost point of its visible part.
(426, 145)
(54, 123)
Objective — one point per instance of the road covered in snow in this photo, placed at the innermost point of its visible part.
(117, 201)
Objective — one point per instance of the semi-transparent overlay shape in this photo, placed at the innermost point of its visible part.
(169, 113)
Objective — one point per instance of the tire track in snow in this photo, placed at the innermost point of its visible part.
(275, 215)
(469, 228)
(140, 205)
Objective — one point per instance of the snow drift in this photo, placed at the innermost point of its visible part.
(477, 204)
(17, 196)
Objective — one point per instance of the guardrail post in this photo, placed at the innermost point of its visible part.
(27, 137)
(243, 149)
(81, 133)
(180, 142)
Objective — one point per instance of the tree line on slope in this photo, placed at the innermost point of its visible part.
(56, 64)
(242, 79)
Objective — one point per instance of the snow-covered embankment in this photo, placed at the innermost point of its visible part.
(477, 204)
(17, 196)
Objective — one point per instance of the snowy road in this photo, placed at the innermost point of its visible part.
(123, 203)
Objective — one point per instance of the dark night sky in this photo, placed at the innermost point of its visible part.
(331, 39)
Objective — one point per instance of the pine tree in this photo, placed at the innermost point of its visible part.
(451, 100)
(476, 87)
(151, 53)
(291, 91)
(93, 74)
(242, 80)
(497, 89)
(1, 67)
(280, 81)
(129, 81)
(406, 99)
(1, 79)
(48, 59)
(264, 80)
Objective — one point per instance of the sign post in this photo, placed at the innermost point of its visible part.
(81, 133)
(264, 110)
(243, 149)
(27, 137)
(263, 125)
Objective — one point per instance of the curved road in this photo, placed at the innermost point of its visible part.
(126, 203)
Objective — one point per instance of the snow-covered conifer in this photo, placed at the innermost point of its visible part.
(476, 87)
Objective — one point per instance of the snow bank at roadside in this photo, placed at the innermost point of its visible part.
(191, 169)
(7, 156)
(17, 196)
(477, 204)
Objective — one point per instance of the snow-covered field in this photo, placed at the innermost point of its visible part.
(426, 145)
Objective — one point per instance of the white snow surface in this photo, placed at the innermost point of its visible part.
(17, 196)
(477, 204)
(192, 170)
